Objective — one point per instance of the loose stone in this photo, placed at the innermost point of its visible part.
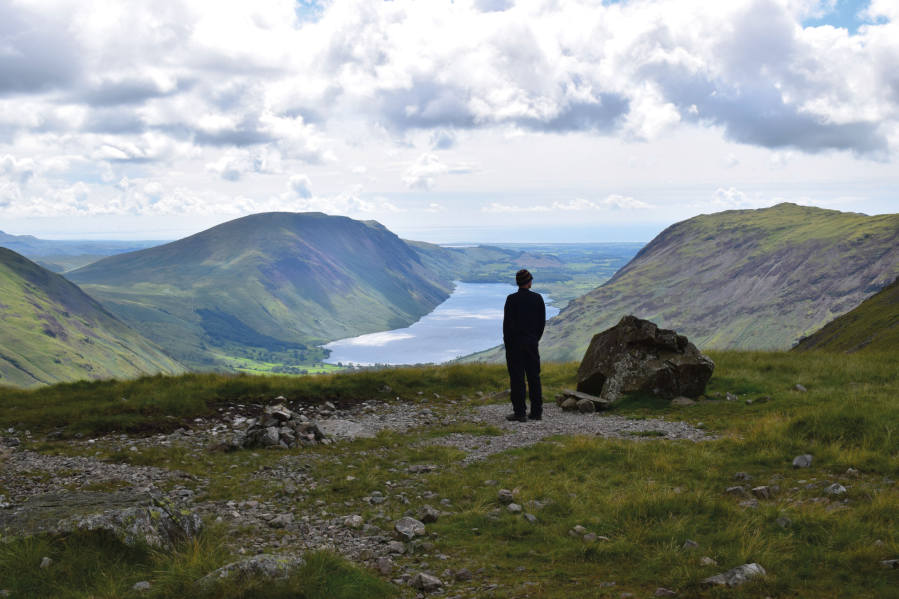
(736, 577)
(803, 461)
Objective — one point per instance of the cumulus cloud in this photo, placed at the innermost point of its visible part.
(301, 186)
(236, 165)
(244, 74)
(228, 83)
(422, 173)
(612, 202)
(39, 196)
(300, 198)
(16, 171)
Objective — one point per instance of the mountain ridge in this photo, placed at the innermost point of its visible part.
(744, 279)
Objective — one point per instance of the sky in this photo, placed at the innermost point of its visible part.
(447, 121)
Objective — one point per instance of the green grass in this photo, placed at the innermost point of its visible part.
(872, 326)
(162, 403)
(647, 496)
(89, 565)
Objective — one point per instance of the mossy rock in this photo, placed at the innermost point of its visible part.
(133, 518)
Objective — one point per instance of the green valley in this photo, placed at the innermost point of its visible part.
(51, 331)
(258, 293)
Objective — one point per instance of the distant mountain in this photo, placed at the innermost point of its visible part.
(750, 279)
(485, 263)
(872, 326)
(51, 332)
(273, 281)
(29, 245)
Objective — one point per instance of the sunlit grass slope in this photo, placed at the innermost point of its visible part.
(746, 279)
(873, 326)
(647, 497)
(51, 331)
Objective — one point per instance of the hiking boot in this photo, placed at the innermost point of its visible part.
(516, 418)
(535, 416)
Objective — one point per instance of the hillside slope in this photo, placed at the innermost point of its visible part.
(872, 326)
(747, 279)
(273, 281)
(51, 332)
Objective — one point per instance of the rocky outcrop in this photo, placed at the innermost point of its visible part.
(272, 567)
(130, 517)
(635, 356)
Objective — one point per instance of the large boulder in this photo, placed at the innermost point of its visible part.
(131, 517)
(636, 356)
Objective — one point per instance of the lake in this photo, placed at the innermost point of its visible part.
(471, 320)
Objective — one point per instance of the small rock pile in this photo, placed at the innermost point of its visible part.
(584, 403)
(279, 427)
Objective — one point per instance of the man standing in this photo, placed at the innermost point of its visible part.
(524, 318)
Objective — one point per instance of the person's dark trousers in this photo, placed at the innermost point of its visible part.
(524, 360)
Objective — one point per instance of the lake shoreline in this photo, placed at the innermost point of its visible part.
(468, 322)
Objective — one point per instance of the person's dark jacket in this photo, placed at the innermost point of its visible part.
(524, 318)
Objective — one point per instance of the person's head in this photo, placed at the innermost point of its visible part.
(523, 278)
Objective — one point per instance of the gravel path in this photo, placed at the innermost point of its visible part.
(557, 422)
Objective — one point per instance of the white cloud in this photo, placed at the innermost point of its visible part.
(16, 171)
(247, 90)
(237, 164)
(436, 208)
(732, 198)
(730, 161)
(299, 197)
(301, 186)
(779, 160)
(495, 207)
(613, 202)
(422, 173)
